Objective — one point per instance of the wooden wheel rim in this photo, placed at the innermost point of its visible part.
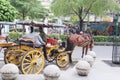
(10, 56)
(14, 49)
(32, 62)
(62, 60)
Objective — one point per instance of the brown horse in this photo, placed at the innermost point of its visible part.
(85, 41)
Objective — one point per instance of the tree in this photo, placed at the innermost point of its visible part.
(29, 8)
(7, 11)
(81, 8)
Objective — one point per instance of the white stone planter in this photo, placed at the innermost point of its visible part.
(89, 59)
(9, 72)
(82, 68)
(52, 72)
(92, 53)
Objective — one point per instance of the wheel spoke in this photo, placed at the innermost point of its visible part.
(27, 67)
(29, 56)
(27, 60)
(35, 69)
(31, 69)
(26, 64)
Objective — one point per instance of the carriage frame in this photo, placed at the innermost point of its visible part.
(30, 59)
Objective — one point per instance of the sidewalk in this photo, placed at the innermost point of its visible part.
(99, 71)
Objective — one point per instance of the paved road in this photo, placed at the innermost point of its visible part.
(101, 52)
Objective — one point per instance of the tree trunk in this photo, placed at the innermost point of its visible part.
(81, 25)
(23, 17)
(80, 19)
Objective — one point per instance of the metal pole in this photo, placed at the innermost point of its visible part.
(116, 25)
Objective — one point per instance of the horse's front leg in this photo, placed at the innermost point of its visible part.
(83, 51)
(87, 46)
(70, 55)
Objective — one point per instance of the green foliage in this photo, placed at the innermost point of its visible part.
(63, 37)
(58, 36)
(68, 7)
(29, 8)
(7, 11)
(101, 7)
(116, 8)
(105, 38)
(101, 38)
(81, 8)
(14, 35)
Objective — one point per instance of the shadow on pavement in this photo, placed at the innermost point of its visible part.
(109, 62)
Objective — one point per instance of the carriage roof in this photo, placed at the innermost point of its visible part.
(39, 24)
(6, 23)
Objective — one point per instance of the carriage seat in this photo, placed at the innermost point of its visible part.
(52, 41)
(27, 41)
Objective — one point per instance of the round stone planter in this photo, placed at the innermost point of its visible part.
(89, 59)
(52, 72)
(82, 68)
(92, 53)
(9, 72)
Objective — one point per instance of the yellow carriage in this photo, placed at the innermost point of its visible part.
(30, 59)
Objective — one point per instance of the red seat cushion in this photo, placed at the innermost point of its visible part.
(51, 40)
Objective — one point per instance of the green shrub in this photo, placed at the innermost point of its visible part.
(57, 36)
(101, 38)
(106, 38)
(63, 37)
(14, 35)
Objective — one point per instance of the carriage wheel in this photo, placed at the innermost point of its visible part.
(52, 55)
(13, 56)
(61, 49)
(62, 59)
(32, 62)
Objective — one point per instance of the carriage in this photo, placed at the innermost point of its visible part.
(31, 59)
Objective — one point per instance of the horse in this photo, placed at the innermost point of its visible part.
(85, 41)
